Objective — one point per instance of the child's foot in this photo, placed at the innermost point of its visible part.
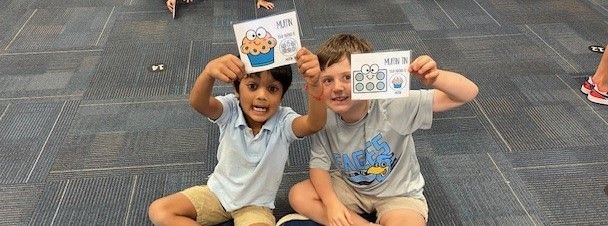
(295, 219)
(587, 86)
(598, 97)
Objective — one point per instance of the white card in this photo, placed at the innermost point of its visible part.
(380, 75)
(268, 42)
(174, 9)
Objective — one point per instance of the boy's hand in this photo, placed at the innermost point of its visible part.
(226, 68)
(171, 4)
(425, 68)
(265, 4)
(308, 66)
(338, 215)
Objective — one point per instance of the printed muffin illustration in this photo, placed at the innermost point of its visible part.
(397, 82)
(259, 47)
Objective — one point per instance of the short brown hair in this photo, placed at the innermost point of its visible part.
(341, 46)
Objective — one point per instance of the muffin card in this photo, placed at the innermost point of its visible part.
(380, 75)
(268, 42)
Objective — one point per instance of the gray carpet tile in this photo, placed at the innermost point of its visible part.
(282, 203)
(434, 15)
(149, 187)
(559, 157)
(481, 56)
(305, 24)
(46, 156)
(524, 112)
(124, 71)
(75, 3)
(26, 130)
(98, 201)
(138, 135)
(454, 136)
(159, 27)
(48, 204)
(13, 14)
(545, 11)
(364, 12)
(18, 202)
(198, 57)
(61, 29)
(226, 13)
(483, 194)
(47, 74)
(559, 42)
(571, 194)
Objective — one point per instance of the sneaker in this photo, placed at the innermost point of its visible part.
(295, 219)
(587, 85)
(598, 97)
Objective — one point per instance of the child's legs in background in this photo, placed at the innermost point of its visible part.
(600, 78)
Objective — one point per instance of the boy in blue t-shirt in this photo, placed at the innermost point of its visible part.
(255, 134)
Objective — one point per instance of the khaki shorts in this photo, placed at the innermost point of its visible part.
(209, 210)
(361, 203)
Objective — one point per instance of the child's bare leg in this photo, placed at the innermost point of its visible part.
(600, 78)
(265, 4)
(402, 217)
(304, 200)
(175, 209)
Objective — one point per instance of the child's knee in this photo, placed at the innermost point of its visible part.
(158, 212)
(300, 192)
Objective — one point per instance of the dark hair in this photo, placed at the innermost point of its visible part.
(341, 46)
(282, 74)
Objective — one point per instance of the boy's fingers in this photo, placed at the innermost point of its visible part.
(303, 51)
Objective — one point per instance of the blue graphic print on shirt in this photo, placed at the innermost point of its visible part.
(368, 166)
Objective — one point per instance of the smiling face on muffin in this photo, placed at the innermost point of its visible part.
(257, 42)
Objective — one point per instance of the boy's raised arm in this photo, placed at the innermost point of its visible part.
(226, 68)
(308, 66)
(452, 89)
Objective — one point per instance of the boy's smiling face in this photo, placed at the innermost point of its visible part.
(336, 82)
(260, 97)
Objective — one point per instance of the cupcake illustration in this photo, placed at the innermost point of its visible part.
(259, 47)
(397, 82)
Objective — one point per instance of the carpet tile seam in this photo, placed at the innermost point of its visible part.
(495, 129)
(560, 166)
(21, 29)
(125, 167)
(511, 188)
(45, 142)
(551, 47)
(105, 25)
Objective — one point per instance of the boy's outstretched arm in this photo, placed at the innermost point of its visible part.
(308, 66)
(226, 68)
(452, 89)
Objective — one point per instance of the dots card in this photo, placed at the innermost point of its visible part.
(268, 42)
(380, 75)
